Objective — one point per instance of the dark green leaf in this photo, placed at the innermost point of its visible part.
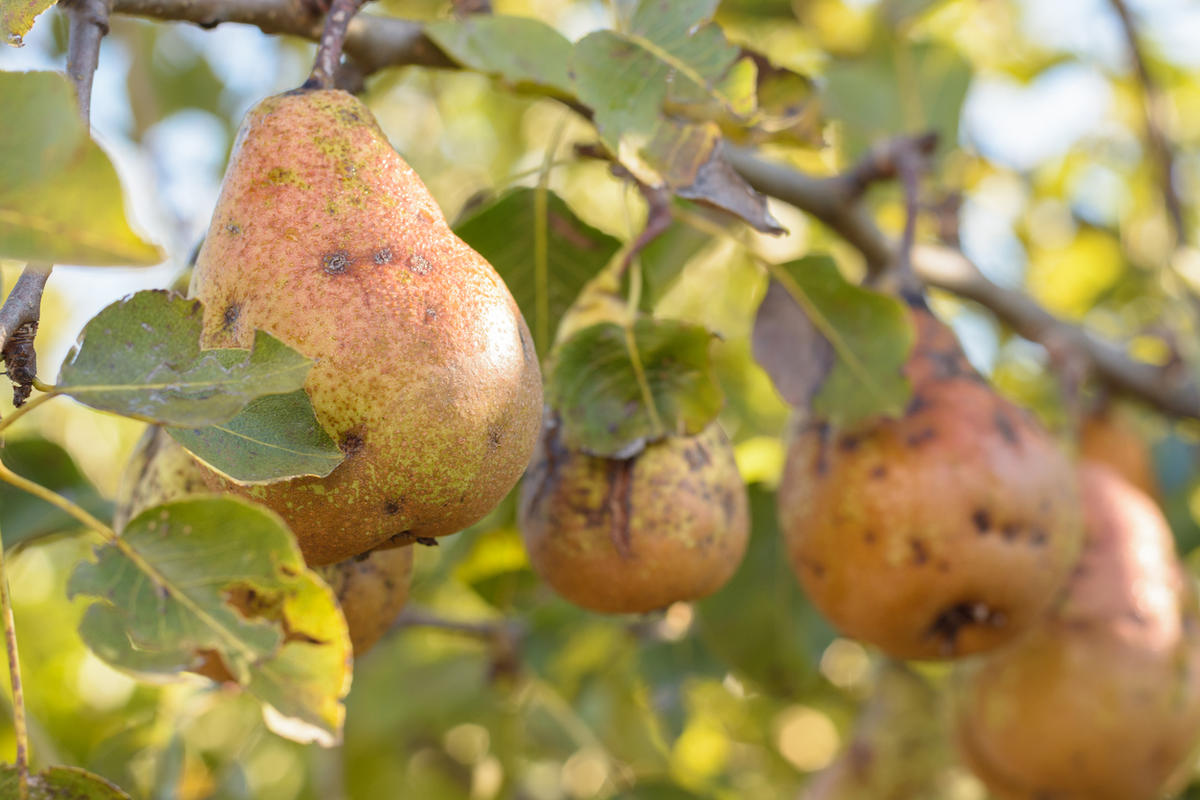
(141, 357)
(60, 198)
(831, 345)
(761, 623)
(503, 233)
(59, 783)
(602, 375)
(17, 16)
(867, 94)
(23, 516)
(170, 595)
(518, 49)
(274, 437)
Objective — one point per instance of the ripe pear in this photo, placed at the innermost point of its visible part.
(425, 371)
(634, 535)
(1107, 436)
(943, 532)
(371, 589)
(1102, 700)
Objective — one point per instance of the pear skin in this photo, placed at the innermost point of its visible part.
(425, 371)
(634, 535)
(943, 532)
(1102, 700)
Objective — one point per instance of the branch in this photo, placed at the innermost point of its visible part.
(18, 321)
(501, 630)
(374, 42)
(1165, 388)
(1156, 136)
(88, 25)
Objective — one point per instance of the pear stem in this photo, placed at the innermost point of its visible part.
(333, 38)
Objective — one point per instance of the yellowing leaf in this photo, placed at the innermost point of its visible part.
(17, 16)
(60, 198)
(1070, 279)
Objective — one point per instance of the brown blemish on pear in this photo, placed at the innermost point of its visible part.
(634, 535)
(944, 532)
(1102, 700)
(342, 255)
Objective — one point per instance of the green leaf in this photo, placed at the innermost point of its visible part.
(833, 346)
(59, 783)
(60, 198)
(671, 59)
(875, 99)
(518, 49)
(503, 233)
(192, 560)
(141, 357)
(618, 389)
(274, 437)
(17, 16)
(665, 257)
(23, 516)
(760, 622)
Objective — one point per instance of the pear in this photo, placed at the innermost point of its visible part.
(943, 532)
(1102, 700)
(634, 535)
(425, 371)
(1108, 436)
(371, 589)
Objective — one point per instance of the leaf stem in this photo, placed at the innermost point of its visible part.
(29, 406)
(541, 241)
(18, 694)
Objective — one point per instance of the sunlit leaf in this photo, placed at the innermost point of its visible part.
(503, 232)
(59, 783)
(141, 357)
(221, 575)
(23, 516)
(60, 198)
(761, 623)
(17, 16)
(664, 259)
(273, 437)
(518, 49)
(618, 389)
(830, 345)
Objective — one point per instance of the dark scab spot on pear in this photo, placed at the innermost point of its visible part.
(920, 553)
(917, 404)
(361, 557)
(428, 541)
(943, 566)
(982, 521)
(879, 472)
(336, 263)
(815, 567)
(728, 503)
(392, 507)
(1038, 537)
(419, 264)
(233, 228)
(870, 537)
(1005, 427)
(1010, 531)
(493, 437)
(230, 317)
(526, 346)
(349, 115)
(697, 456)
(849, 443)
(921, 437)
(351, 443)
(382, 256)
(431, 313)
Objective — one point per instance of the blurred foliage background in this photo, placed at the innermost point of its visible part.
(748, 693)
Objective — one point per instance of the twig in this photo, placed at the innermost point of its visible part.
(18, 321)
(504, 630)
(333, 39)
(374, 42)
(88, 25)
(1156, 135)
(18, 694)
(467, 8)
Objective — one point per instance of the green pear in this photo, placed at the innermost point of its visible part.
(425, 372)
(634, 535)
(371, 588)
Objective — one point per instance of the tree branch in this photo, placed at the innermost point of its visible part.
(1166, 388)
(88, 25)
(1156, 134)
(374, 42)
